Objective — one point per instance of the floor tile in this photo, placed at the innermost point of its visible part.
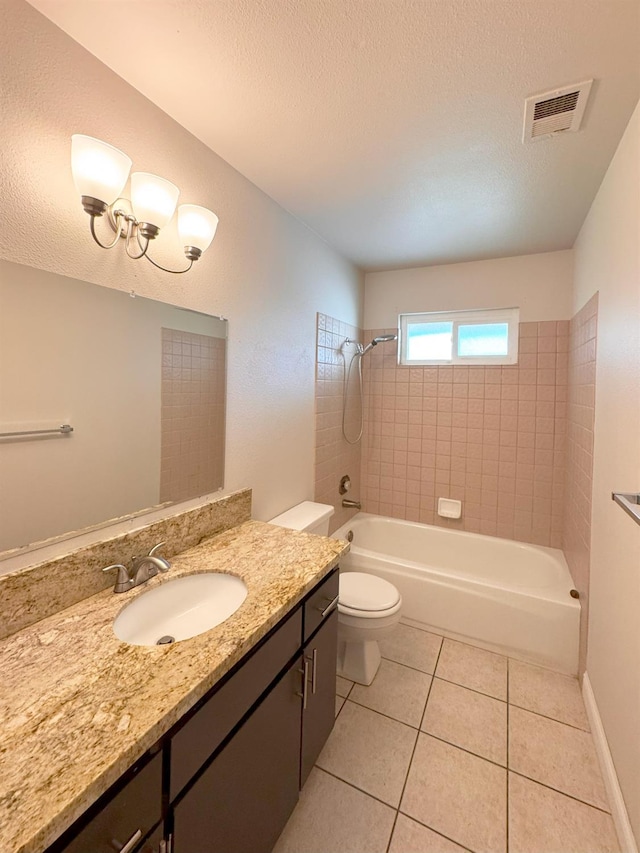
(473, 667)
(340, 700)
(397, 691)
(343, 686)
(458, 794)
(332, 815)
(548, 693)
(412, 647)
(544, 821)
(411, 837)
(370, 751)
(556, 755)
(467, 719)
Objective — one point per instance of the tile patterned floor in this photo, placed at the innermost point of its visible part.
(453, 749)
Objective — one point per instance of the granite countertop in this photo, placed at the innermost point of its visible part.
(79, 707)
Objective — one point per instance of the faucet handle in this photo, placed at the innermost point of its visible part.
(123, 580)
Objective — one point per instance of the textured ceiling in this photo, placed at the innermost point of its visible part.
(391, 127)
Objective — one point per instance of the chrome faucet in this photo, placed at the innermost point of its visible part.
(349, 504)
(142, 569)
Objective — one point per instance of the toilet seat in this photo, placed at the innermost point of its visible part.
(367, 596)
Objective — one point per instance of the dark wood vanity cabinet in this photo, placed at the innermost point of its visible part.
(319, 714)
(243, 799)
(227, 777)
(123, 817)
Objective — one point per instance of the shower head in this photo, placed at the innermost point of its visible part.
(381, 339)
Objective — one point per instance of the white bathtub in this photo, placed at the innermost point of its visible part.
(506, 596)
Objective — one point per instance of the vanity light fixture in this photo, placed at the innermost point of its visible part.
(100, 173)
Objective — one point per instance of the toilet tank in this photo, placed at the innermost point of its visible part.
(308, 516)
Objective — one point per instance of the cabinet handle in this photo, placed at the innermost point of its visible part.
(330, 607)
(131, 843)
(314, 662)
(305, 680)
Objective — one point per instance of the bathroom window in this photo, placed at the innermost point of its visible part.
(459, 337)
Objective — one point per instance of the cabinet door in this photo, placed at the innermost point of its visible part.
(242, 801)
(122, 818)
(319, 715)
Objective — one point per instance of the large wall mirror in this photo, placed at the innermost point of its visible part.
(141, 383)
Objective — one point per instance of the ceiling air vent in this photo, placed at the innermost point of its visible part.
(554, 112)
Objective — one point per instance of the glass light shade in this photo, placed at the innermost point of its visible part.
(153, 199)
(196, 226)
(99, 170)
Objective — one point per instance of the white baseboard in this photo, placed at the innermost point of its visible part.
(619, 814)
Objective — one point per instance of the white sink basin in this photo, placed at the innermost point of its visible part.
(179, 609)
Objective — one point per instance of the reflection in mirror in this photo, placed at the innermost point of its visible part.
(141, 382)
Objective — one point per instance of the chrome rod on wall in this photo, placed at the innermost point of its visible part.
(629, 502)
(63, 429)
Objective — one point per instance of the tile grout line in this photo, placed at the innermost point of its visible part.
(437, 832)
(424, 672)
(552, 719)
(356, 788)
(413, 751)
(468, 751)
(386, 716)
(558, 791)
(396, 810)
(491, 696)
(415, 745)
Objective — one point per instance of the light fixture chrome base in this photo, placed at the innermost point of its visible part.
(124, 224)
(119, 214)
(147, 230)
(192, 252)
(93, 206)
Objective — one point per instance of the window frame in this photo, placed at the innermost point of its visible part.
(479, 317)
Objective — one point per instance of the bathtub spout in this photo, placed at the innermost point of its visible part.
(349, 504)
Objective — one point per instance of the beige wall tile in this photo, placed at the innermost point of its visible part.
(576, 533)
(489, 395)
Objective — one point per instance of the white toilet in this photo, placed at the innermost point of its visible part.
(369, 607)
(307, 516)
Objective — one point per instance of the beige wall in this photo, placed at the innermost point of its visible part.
(607, 259)
(266, 272)
(539, 284)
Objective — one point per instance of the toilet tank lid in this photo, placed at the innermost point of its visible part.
(304, 515)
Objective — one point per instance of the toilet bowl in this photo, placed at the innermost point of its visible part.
(368, 608)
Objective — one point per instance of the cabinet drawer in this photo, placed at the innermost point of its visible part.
(318, 606)
(192, 745)
(135, 807)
